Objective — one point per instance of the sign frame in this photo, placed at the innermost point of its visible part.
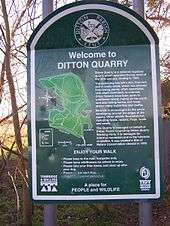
(136, 19)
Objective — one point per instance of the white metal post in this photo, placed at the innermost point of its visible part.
(138, 6)
(47, 7)
(50, 215)
(49, 210)
(145, 213)
(145, 207)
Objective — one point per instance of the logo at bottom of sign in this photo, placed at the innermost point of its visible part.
(145, 184)
(49, 183)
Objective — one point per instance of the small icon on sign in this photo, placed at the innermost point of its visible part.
(91, 30)
(46, 137)
(145, 173)
(48, 183)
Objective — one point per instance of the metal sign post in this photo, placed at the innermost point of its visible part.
(138, 6)
(94, 105)
(49, 210)
(145, 207)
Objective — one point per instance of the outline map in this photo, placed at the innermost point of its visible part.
(75, 113)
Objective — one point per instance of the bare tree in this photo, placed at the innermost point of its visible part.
(158, 12)
(17, 22)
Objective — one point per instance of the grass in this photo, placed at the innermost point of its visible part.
(75, 214)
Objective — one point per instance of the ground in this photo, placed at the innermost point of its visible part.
(124, 214)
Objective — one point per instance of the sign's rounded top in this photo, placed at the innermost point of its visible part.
(92, 24)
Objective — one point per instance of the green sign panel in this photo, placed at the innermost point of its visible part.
(93, 96)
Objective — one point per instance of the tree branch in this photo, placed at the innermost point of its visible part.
(11, 115)
(13, 152)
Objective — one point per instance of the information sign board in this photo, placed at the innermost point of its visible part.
(93, 115)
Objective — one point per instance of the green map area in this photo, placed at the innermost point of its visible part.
(75, 113)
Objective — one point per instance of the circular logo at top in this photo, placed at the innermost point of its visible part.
(91, 30)
(145, 173)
